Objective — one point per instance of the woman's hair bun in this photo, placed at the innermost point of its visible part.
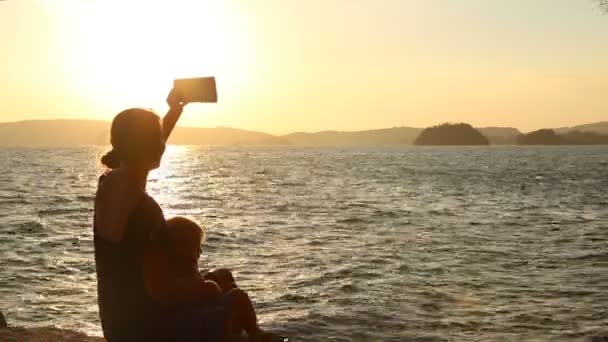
(111, 159)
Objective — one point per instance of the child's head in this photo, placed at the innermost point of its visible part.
(186, 238)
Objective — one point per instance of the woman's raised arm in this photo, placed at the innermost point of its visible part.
(176, 107)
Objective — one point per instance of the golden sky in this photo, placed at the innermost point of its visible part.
(296, 65)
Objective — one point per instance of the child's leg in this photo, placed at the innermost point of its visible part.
(242, 315)
(223, 277)
(226, 280)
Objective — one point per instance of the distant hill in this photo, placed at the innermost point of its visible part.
(598, 127)
(541, 137)
(451, 134)
(388, 136)
(222, 136)
(551, 137)
(55, 132)
(92, 132)
(500, 135)
(585, 138)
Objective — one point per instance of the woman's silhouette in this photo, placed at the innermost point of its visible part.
(129, 232)
(139, 297)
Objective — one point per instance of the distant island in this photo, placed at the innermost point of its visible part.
(550, 137)
(541, 137)
(451, 134)
(96, 132)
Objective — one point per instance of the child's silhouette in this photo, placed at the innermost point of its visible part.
(185, 238)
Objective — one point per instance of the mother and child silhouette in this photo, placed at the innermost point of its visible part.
(148, 279)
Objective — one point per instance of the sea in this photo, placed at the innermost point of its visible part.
(339, 243)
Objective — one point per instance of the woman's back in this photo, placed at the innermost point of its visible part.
(127, 311)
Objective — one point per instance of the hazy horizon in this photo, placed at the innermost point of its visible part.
(302, 131)
(310, 66)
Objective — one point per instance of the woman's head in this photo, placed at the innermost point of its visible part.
(137, 140)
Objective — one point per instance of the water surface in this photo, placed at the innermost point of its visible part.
(340, 244)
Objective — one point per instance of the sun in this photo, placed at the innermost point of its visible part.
(121, 53)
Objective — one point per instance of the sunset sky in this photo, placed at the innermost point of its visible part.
(296, 65)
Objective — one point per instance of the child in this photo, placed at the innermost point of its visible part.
(185, 238)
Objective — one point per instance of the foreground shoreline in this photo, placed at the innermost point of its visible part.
(46, 334)
(54, 334)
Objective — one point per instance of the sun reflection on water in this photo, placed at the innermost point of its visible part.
(165, 174)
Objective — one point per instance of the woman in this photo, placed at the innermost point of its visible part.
(129, 229)
(133, 271)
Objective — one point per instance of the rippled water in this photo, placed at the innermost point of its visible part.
(384, 244)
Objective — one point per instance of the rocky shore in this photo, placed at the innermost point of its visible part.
(49, 334)
(52, 334)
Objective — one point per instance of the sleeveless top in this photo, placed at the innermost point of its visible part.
(127, 312)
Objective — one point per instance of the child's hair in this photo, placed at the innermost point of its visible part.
(183, 229)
